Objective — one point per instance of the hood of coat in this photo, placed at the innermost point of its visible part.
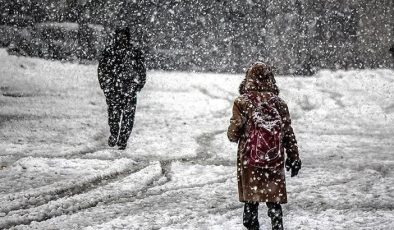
(259, 77)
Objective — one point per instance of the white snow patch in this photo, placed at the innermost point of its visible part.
(54, 160)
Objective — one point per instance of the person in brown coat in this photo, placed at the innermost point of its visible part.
(257, 184)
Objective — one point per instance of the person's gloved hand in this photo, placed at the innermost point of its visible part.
(294, 165)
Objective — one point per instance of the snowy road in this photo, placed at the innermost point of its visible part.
(179, 169)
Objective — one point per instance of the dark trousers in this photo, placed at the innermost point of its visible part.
(121, 114)
(250, 216)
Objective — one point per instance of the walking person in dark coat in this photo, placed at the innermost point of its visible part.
(121, 74)
(266, 183)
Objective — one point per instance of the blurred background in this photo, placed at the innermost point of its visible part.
(296, 36)
(178, 172)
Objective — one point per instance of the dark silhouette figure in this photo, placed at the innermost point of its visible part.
(121, 74)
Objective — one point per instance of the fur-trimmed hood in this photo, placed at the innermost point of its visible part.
(260, 184)
(259, 77)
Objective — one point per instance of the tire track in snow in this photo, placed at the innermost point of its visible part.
(389, 109)
(205, 150)
(166, 197)
(149, 192)
(207, 93)
(99, 144)
(334, 96)
(67, 189)
(68, 200)
(166, 168)
(203, 156)
(118, 189)
(224, 111)
(204, 153)
(204, 140)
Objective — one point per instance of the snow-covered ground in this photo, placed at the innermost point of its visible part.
(178, 171)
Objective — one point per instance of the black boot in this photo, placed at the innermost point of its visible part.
(250, 216)
(122, 143)
(275, 213)
(112, 141)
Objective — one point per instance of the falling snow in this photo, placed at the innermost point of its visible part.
(333, 65)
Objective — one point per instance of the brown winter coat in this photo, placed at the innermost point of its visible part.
(256, 184)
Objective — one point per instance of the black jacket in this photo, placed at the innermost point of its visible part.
(121, 71)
